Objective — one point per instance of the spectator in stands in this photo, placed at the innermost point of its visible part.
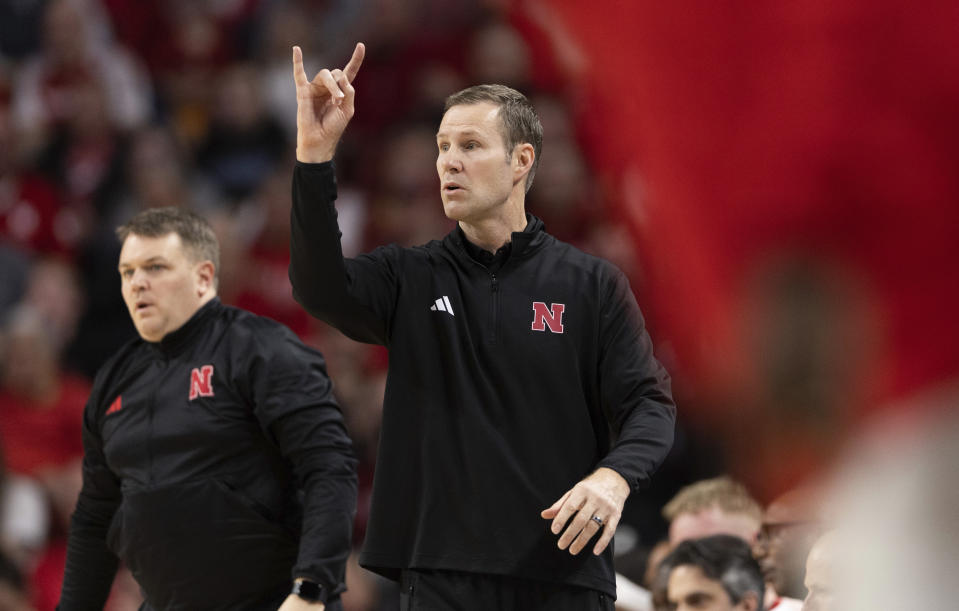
(75, 53)
(156, 174)
(403, 207)
(720, 506)
(262, 285)
(711, 507)
(716, 573)
(39, 406)
(244, 143)
(653, 560)
(84, 159)
(790, 527)
(30, 206)
(24, 518)
(54, 293)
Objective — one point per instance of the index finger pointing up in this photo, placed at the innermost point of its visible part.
(299, 74)
(356, 61)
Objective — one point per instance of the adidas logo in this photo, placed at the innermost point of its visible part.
(443, 305)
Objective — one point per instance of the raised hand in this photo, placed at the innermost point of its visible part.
(595, 505)
(324, 106)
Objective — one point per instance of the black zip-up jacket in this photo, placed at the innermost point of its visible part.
(502, 390)
(216, 466)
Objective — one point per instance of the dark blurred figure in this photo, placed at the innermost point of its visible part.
(13, 594)
(84, 158)
(716, 573)
(243, 143)
(808, 334)
(13, 276)
(20, 28)
(104, 325)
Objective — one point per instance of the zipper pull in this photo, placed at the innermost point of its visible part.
(495, 283)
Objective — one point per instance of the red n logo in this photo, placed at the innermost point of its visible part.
(552, 316)
(201, 382)
(116, 406)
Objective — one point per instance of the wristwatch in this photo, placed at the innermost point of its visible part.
(309, 590)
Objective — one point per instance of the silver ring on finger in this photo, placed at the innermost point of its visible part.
(599, 521)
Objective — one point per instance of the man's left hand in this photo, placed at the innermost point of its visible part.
(295, 603)
(597, 498)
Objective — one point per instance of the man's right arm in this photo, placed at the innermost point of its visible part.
(354, 295)
(91, 566)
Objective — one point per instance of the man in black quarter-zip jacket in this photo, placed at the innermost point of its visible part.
(216, 464)
(523, 400)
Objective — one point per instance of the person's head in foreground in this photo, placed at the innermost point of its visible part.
(716, 573)
(712, 507)
(168, 268)
(819, 575)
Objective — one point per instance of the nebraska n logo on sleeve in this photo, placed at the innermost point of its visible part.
(201, 382)
(552, 317)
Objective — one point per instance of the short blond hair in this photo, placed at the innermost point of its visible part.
(729, 495)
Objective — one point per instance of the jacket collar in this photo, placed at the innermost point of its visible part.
(176, 342)
(524, 243)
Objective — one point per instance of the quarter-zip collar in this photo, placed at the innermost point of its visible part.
(521, 244)
(176, 342)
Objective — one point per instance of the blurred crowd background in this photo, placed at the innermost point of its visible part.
(779, 182)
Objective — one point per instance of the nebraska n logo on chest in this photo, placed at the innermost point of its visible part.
(551, 317)
(201, 382)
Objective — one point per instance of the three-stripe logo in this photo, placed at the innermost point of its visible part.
(443, 305)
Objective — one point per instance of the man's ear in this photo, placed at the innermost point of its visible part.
(522, 160)
(750, 602)
(205, 274)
